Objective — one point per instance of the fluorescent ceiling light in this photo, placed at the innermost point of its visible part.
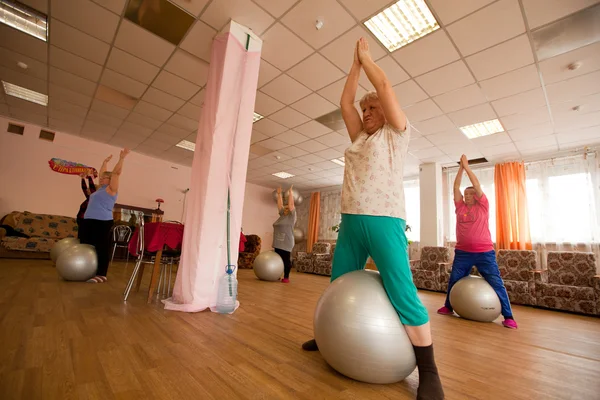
(339, 161)
(257, 117)
(24, 18)
(402, 23)
(186, 144)
(282, 175)
(482, 129)
(25, 94)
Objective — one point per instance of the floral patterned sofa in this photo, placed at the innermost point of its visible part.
(251, 251)
(570, 283)
(517, 270)
(432, 271)
(43, 231)
(318, 261)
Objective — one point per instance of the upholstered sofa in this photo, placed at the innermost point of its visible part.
(316, 262)
(570, 283)
(251, 251)
(43, 230)
(432, 270)
(517, 270)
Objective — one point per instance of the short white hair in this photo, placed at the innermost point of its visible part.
(368, 97)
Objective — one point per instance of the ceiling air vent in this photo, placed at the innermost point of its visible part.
(476, 161)
(333, 120)
(16, 129)
(160, 17)
(45, 135)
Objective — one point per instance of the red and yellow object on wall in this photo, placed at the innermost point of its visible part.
(71, 168)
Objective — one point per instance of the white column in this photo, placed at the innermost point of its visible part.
(432, 216)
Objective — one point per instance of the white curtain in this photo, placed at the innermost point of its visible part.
(412, 200)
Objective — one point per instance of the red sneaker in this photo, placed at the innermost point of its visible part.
(285, 280)
(445, 311)
(510, 323)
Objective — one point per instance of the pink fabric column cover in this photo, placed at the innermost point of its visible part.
(222, 148)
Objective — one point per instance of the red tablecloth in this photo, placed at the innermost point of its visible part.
(157, 235)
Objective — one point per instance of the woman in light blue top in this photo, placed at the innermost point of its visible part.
(98, 219)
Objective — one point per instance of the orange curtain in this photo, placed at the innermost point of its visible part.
(313, 220)
(512, 216)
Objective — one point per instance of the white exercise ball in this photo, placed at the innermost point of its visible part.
(268, 266)
(298, 199)
(473, 298)
(359, 333)
(61, 246)
(77, 263)
(298, 235)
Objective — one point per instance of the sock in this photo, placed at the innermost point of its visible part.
(430, 386)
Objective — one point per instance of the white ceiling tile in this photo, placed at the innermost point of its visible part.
(66, 110)
(500, 150)
(282, 48)
(191, 111)
(188, 67)
(35, 68)
(447, 137)
(269, 127)
(589, 135)
(69, 96)
(244, 12)
(194, 7)
(133, 67)
(291, 137)
(544, 141)
(198, 99)
(143, 44)
(115, 6)
(276, 8)
(585, 105)
(491, 140)
(109, 109)
(285, 89)
(333, 92)
(427, 53)
(168, 140)
(480, 113)
(508, 56)
(334, 139)
(183, 122)
(71, 127)
(421, 111)
(23, 43)
(433, 125)
(104, 119)
(28, 116)
(273, 144)
(556, 69)
(574, 88)
(115, 97)
(312, 129)
(315, 72)
(257, 137)
(176, 132)
(301, 20)
(487, 27)
(511, 83)
(409, 93)
(311, 159)
(428, 153)
(450, 11)
(341, 51)
(294, 151)
(289, 117)
(73, 82)
(539, 150)
(199, 40)
(541, 12)
(144, 121)
(533, 117)
(122, 83)
(531, 132)
(74, 64)
(266, 105)
(314, 106)
(150, 110)
(162, 99)
(569, 121)
(392, 71)
(26, 106)
(88, 17)
(520, 102)
(456, 150)
(363, 9)
(295, 163)
(459, 99)
(174, 85)
(259, 150)
(266, 73)
(91, 128)
(77, 42)
(328, 154)
(417, 144)
(151, 144)
(438, 82)
(96, 136)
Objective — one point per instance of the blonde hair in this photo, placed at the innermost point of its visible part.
(106, 174)
(368, 97)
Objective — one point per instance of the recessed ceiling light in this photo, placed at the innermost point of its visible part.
(186, 144)
(282, 175)
(339, 161)
(24, 18)
(25, 94)
(402, 23)
(257, 117)
(482, 129)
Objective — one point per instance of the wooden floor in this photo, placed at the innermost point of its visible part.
(62, 340)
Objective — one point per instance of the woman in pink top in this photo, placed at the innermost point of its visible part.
(474, 245)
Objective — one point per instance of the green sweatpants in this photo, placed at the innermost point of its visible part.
(382, 238)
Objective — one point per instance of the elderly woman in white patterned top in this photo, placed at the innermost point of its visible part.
(373, 210)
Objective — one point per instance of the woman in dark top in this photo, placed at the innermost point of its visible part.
(87, 192)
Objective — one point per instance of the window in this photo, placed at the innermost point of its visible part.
(412, 199)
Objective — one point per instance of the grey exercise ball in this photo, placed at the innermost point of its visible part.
(268, 266)
(77, 263)
(473, 298)
(359, 333)
(61, 246)
(298, 199)
(298, 235)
